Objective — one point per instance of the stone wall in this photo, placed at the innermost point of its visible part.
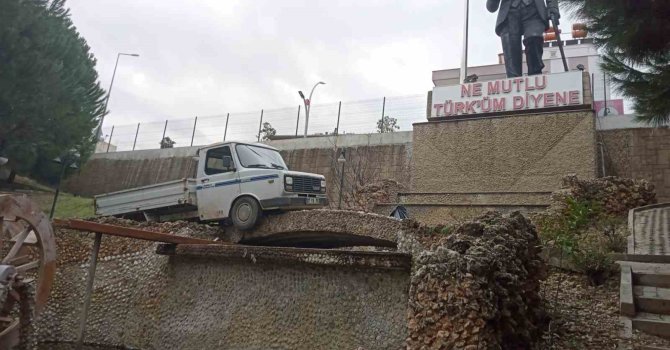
(229, 297)
(640, 153)
(521, 153)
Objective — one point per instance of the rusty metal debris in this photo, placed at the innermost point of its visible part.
(128, 232)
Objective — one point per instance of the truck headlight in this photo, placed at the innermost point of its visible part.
(288, 183)
(323, 185)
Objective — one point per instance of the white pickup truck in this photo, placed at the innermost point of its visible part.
(235, 180)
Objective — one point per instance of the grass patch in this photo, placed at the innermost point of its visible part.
(68, 206)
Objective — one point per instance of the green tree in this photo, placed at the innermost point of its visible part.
(633, 35)
(267, 131)
(167, 142)
(50, 98)
(387, 124)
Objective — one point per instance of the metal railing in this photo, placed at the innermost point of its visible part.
(342, 117)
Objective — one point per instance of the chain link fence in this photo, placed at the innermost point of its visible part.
(359, 117)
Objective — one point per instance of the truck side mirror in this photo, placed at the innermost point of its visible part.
(227, 162)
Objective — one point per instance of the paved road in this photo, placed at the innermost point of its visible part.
(651, 230)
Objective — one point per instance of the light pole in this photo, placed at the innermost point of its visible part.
(109, 93)
(341, 159)
(308, 103)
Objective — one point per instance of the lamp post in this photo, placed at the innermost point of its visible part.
(308, 103)
(109, 93)
(342, 160)
(67, 160)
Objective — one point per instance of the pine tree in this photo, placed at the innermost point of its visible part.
(633, 35)
(50, 98)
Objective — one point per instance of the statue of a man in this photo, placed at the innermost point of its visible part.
(527, 18)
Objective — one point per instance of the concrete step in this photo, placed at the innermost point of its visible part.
(655, 324)
(652, 299)
(651, 279)
(476, 198)
(647, 267)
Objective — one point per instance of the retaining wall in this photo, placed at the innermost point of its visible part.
(639, 153)
(370, 157)
(229, 297)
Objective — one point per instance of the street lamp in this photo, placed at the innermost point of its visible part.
(308, 103)
(341, 159)
(67, 160)
(109, 93)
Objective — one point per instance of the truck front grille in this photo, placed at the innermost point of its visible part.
(306, 184)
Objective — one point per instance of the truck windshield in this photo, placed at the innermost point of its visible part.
(259, 157)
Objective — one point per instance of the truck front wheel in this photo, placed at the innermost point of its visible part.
(245, 213)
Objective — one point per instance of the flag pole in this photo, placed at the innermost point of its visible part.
(464, 57)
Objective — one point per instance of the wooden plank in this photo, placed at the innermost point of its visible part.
(626, 302)
(120, 231)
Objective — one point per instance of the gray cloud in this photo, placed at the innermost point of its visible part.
(210, 57)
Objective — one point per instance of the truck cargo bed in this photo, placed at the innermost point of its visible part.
(172, 194)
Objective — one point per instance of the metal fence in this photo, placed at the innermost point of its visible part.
(353, 117)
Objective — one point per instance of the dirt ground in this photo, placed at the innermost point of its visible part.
(585, 316)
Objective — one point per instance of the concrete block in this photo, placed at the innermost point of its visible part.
(626, 301)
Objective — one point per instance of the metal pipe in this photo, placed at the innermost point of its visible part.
(605, 92)
(383, 107)
(297, 123)
(109, 142)
(337, 128)
(195, 123)
(602, 157)
(260, 125)
(464, 57)
(225, 131)
(136, 133)
(339, 204)
(89, 289)
(164, 130)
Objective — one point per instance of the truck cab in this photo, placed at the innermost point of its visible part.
(240, 180)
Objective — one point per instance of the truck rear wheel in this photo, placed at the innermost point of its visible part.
(245, 213)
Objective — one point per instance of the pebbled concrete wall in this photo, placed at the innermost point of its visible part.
(520, 153)
(228, 297)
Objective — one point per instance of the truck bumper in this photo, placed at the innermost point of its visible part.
(294, 203)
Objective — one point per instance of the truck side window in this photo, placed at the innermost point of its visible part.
(214, 160)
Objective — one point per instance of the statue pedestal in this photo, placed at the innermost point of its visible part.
(466, 164)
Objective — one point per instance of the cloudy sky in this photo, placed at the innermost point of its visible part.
(209, 57)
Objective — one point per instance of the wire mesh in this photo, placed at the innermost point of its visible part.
(357, 117)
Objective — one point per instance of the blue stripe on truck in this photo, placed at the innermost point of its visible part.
(237, 181)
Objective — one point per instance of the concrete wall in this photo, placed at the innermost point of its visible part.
(642, 153)
(238, 298)
(114, 171)
(369, 157)
(521, 153)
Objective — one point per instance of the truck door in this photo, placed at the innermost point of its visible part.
(219, 185)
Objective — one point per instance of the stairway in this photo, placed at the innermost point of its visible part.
(644, 294)
(645, 297)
